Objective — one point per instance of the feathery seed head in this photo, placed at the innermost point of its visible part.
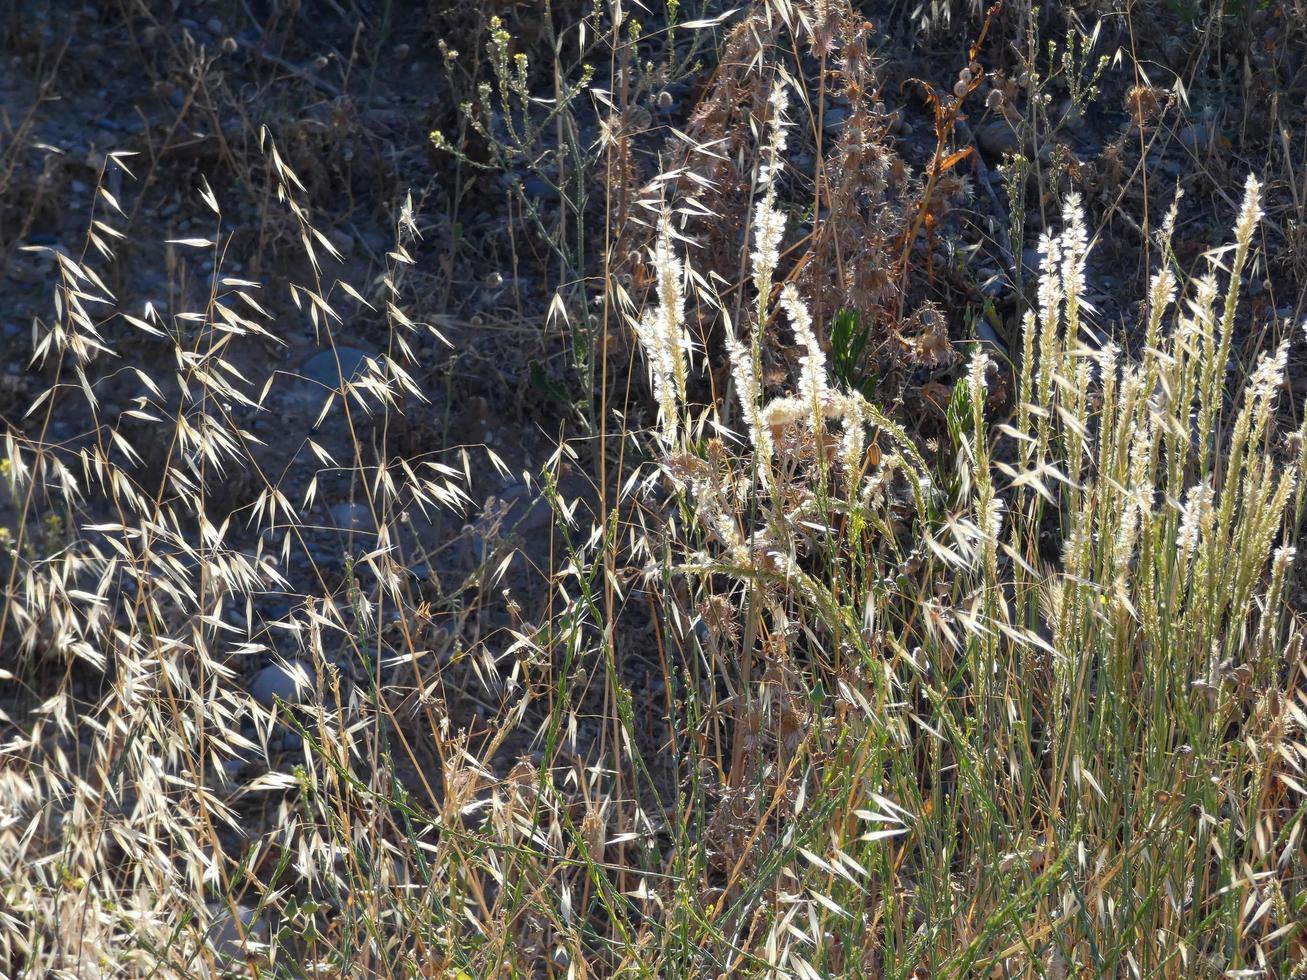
(1074, 245)
(749, 392)
(812, 378)
(977, 373)
(768, 229)
(1251, 211)
(663, 336)
(1197, 505)
(779, 101)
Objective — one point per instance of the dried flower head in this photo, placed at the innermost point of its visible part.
(663, 336)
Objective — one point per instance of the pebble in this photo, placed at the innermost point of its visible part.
(321, 367)
(1030, 260)
(1198, 137)
(351, 517)
(992, 284)
(988, 335)
(1175, 51)
(533, 512)
(343, 241)
(539, 189)
(280, 681)
(214, 25)
(377, 240)
(997, 138)
(835, 119)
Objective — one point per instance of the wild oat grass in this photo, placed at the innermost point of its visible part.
(1032, 704)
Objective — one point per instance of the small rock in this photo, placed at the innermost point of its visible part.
(343, 241)
(322, 366)
(530, 514)
(997, 138)
(290, 682)
(986, 334)
(1199, 137)
(351, 517)
(1030, 260)
(835, 119)
(377, 240)
(1193, 137)
(278, 612)
(992, 284)
(214, 25)
(539, 189)
(1175, 51)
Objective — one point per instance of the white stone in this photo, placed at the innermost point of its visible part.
(290, 682)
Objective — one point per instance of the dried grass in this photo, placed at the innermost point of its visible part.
(1030, 704)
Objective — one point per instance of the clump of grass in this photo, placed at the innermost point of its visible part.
(1079, 758)
(131, 841)
(1033, 706)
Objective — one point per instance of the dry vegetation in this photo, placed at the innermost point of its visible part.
(768, 506)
